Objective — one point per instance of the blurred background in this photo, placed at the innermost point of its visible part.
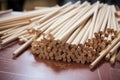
(25, 5)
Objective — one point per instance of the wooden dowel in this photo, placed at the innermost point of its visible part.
(112, 24)
(6, 11)
(53, 32)
(104, 52)
(113, 18)
(93, 21)
(113, 58)
(7, 30)
(74, 34)
(24, 35)
(101, 18)
(12, 25)
(71, 29)
(81, 33)
(96, 29)
(85, 37)
(47, 26)
(40, 8)
(22, 48)
(53, 13)
(65, 17)
(56, 16)
(102, 29)
(115, 48)
(109, 20)
(14, 22)
(112, 51)
(10, 39)
(72, 21)
(14, 37)
(24, 15)
(37, 17)
(107, 57)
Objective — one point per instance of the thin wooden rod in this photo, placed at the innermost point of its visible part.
(104, 52)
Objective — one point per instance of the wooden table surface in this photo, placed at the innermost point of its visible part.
(27, 67)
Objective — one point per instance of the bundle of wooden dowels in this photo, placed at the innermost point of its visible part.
(81, 33)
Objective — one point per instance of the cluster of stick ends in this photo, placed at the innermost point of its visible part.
(81, 33)
(81, 53)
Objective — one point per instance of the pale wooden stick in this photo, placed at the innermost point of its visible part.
(14, 22)
(37, 17)
(93, 21)
(81, 33)
(97, 23)
(72, 28)
(24, 35)
(50, 34)
(6, 11)
(22, 48)
(24, 38)
(10, 39)
(85, 37)
(65, 17)
(47, 26)
(113, 18)
(14, 30)
(112, 51)
(50, 28)
(5, 36)
(56, 16)
(104, 52)
(8, 30)
(101, 18)
(25, 15)
(107, 57)
(68, 15)
(39, 8)
(53, 13)
(102, 29)
(112, 22)
(53, 32)
(14, 37)
(109, 20)
(115, 48)
(113, 58)
(72, 21)
(12, 25)
(75, 33)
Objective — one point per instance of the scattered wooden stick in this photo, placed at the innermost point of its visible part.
(22, 48)
(113, 58)
(104, 52)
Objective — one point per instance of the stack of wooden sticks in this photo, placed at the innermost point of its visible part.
(81, 33)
